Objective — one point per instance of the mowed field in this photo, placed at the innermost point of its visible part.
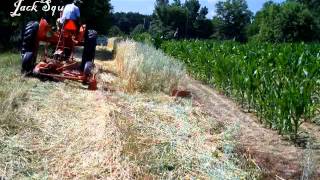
(132, 128)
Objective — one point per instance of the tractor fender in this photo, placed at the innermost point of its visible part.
(81, 35)
(44, 28)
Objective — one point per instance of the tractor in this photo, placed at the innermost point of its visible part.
(59, 64)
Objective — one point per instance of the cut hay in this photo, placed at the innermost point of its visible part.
(143, 68)
(14, 156)
(167, 139)
(96, 135)
(71, 133)
(78, 138)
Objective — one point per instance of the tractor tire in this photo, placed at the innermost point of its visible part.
(88, 68)
(27, 63)
(89, 50)
(29, 47)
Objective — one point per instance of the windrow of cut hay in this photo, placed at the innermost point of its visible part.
(144, 68)
(15, 158)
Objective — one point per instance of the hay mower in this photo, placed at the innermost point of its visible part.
(59, 64)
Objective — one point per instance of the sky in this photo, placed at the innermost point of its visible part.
(147, 6)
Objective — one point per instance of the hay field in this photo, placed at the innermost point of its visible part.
(61, 130)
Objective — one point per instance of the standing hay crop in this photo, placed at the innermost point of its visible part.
(143, 68)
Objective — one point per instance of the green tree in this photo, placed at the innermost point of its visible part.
(203, 27)
(167, 19)
(162, 3)
(203, 13)
(128, 21)
(313, 6)
(216, 24)
(139, 29)
(176, 3)
(115, 31)
(193, 7)
(234, 16)
(287, 22)
(265, 26)
(298, 23)
(97, 15)
(186, 20)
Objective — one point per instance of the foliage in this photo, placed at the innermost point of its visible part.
(313, 6)
(290, 21)
(145, 38)
(139, 29)
(128, 21)
(287, 22)
(280, 82)
(177, 20)
(234, 16)
(96, 14)
(115, 31)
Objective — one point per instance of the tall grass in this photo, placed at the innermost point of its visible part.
(146, 69)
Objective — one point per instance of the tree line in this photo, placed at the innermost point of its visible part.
(290, 21)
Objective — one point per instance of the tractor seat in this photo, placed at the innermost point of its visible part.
(70, 25)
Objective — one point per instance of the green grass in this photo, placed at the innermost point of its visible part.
(280, 82)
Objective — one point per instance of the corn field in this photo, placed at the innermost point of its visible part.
(279, 82)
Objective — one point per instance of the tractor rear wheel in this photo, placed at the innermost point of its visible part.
(29, 47)
(89, 50)
(27, 63)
